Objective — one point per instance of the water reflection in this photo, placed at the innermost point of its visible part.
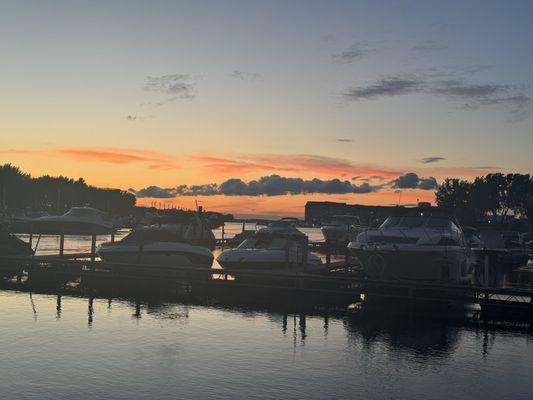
(58, 307)
(90, 312)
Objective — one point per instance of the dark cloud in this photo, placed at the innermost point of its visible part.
(139, 117)
(411, 180)
(154, 191)
(429, 160)
(390, 86)
(345, 140)
(458, 88)
(245, 76)
(428, 46)
(178, 85)
(473, 95)
(273, 185)
(354, 53)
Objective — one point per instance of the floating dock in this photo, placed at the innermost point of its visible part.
(334, 284)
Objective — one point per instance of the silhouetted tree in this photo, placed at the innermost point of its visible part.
(20, 191)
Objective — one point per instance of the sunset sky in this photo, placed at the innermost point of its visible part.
(153, 96)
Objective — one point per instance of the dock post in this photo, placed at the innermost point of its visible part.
(93, 247)
(113, 237)
(328, 254)
(486, 271)
(223, 231)
(31, 240)
(61, 244)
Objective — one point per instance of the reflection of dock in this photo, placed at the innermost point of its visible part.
(336, 285)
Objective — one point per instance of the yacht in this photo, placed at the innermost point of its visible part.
(187, 241)
(421, 247)
(507, 248)
(272, 247)
(342, 229)
(77, 221)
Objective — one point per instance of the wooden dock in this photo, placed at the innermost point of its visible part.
(339, 284)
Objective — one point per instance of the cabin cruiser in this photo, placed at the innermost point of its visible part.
(186, 241)
(77, 221)
(421, 247)
(342, 229)
(270, 248)
(507, 248)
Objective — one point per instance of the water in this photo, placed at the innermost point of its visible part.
(68, 347)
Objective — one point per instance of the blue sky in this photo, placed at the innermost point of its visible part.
(396, 81)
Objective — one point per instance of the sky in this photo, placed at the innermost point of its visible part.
(255, 107)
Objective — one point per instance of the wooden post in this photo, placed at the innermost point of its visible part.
(61, 244)
(328, 253)
(287, 254)
(243, 226)
(31, 240)
(486, 271)
(113, 237)
(223, 230)
(93, 247)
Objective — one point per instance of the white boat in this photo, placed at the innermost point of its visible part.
(76, 221)
(420, 247)
(186, 242)
(270, 248)
(342, 229)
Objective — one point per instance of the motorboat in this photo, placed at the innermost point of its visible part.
(506, 248)
(420, 247)
(342, 229)
(270, 248)
(77, 221)
(186, 241)
(10, 245)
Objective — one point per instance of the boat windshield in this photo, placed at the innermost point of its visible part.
(85, 212)
(264, 243)
(417, 222)
(153, 235)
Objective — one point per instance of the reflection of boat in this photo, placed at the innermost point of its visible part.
(185, 242)
(270, 248)
(415, 247)
(342, 229)
(76, 221)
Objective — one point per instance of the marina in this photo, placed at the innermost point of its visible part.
(339, 281)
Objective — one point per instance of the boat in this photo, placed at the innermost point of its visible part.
(186, 241)
(77, 221)
(272, 247)
(419, 247)
(342, 229)
(507, 249)
(10, 245)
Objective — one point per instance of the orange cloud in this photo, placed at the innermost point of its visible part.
(302, 163)
(106, 155)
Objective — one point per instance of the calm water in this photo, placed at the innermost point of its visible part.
(66, 349)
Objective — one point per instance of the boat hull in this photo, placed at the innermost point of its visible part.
(431, 264)
(261, 259)
(159, 254)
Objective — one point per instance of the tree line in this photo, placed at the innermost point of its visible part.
(21, 191)
(497, 195)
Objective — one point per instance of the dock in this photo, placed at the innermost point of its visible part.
(337, 284)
